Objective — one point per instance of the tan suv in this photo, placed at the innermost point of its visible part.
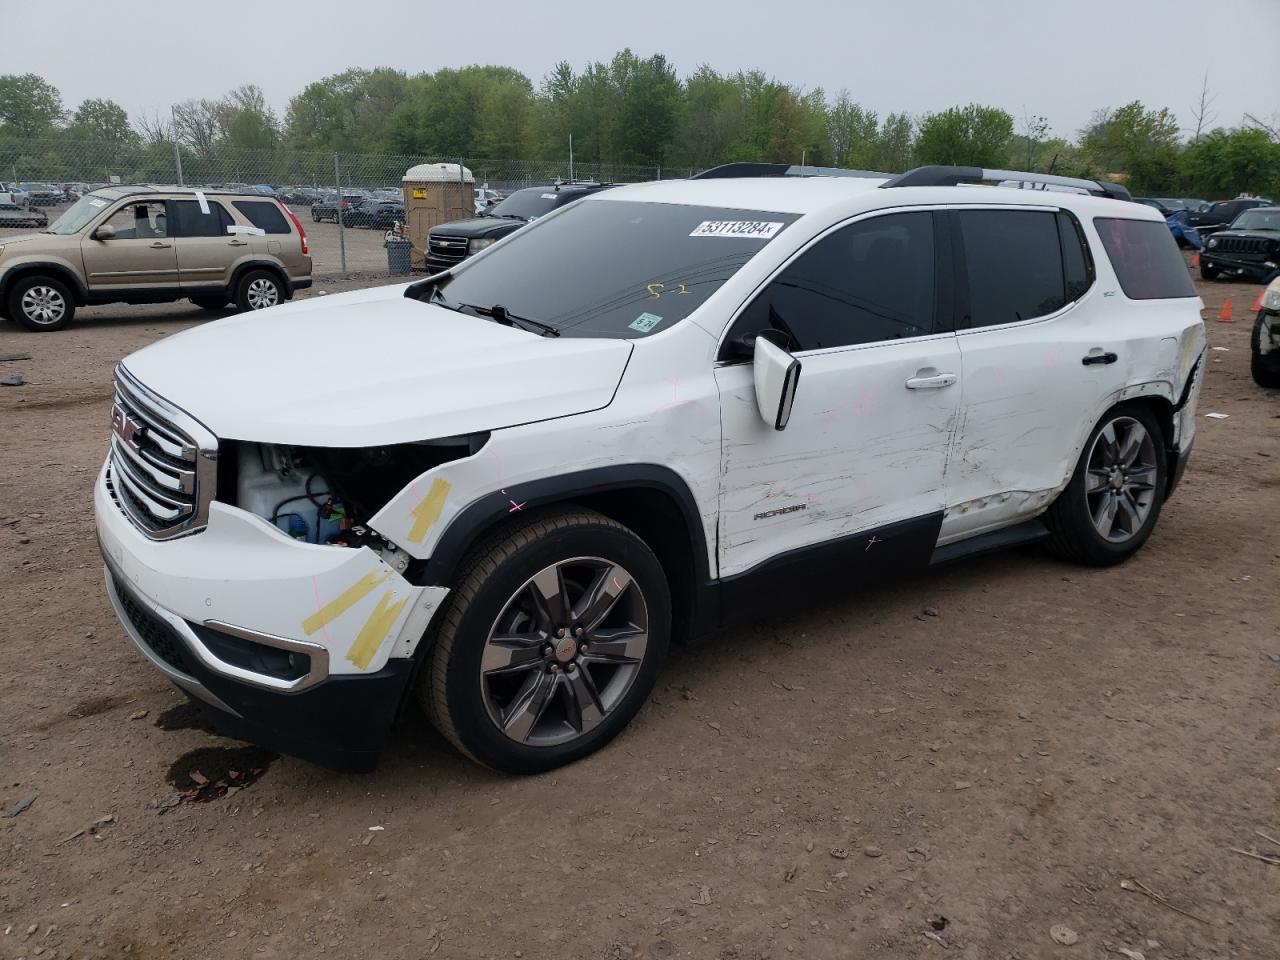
(145, 244)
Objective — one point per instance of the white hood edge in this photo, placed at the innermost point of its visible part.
(371, 368)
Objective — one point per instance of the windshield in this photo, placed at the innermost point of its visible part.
(1257, 220)
(79, 214)
(611, 268)
(526, 204)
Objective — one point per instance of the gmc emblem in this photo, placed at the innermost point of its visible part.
(125, 427)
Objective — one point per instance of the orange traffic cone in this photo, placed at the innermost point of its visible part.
(1195, 259)
(1257, 304)
(1225, 315)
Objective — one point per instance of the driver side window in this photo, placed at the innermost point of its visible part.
(140, 221)
(868, 282)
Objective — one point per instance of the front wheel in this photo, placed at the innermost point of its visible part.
(1265, 367)
(42, 304)
(550, 642)
(1110, 506)
(258, 290)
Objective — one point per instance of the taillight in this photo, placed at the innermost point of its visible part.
(297, 223)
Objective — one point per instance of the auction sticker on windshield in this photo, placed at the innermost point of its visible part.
(751, 229)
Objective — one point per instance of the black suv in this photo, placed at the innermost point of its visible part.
(450, 243)
(1249, 248)
(1217, 215)
(374, 214)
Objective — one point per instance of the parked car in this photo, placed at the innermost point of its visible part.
(1194, 205)
(645, 415)
(301, 196)
(141, 244)
(327, 207)
(1167, 206)
(13, 197)
(448, 244)
(1264, 360)
(374, 214)
(1248, 249)
(43, 194)
(486, 198)
(1217, 215)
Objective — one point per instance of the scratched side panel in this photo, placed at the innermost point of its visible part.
(666, 412)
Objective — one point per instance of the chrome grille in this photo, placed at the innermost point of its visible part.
(163, 466)
(447, 249)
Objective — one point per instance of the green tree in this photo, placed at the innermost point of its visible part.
(851, 133)
(103, 121)
(251, 129)
(1228, 162)
(1139, 143)
(29, 105)
(895, 146)
(975, 136)
(713, 119)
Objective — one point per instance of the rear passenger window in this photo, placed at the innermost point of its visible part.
(867, 282)
(1145, 258)
(1077, 262)
(1013, 263)
(193, 222)
(263, 214)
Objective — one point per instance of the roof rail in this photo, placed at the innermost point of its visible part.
(945, 176)
(735, 170)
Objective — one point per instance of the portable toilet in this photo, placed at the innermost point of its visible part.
(435, 193)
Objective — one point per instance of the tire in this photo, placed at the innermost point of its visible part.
(1265, 367)
(257, 290)
(475, 705)
(1077, 519)
(41, 303)
(315, 214)
(1208, 271)
(210, 303)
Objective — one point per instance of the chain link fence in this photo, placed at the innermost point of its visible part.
(39, 178)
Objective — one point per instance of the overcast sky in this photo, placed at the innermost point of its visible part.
(1061, 60)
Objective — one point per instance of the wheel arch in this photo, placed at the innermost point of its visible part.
(52, 268)
(651, 500)
(269, 266)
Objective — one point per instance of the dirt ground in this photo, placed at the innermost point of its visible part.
(1057, 746)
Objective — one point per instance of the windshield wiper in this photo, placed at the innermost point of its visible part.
(500, 314)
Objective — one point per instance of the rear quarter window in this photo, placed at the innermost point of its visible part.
(263, 214)
(1145, 258)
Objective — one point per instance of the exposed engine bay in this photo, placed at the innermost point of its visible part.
(325, 495)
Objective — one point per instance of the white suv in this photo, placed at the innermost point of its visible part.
(506, 488)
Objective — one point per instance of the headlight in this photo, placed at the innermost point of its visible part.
(475, 246)
(1213, 243)
(1271, 299)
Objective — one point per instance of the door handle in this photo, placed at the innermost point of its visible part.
(160, 245)
(237, 243)
(1093, 358)
(931, 383)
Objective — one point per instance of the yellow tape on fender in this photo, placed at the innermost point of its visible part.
(428, 511)
(344, 601)
(375, 630)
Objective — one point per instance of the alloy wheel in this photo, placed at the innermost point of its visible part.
(262, 294)
(43, 305)
(564, 651)
(1120, 479)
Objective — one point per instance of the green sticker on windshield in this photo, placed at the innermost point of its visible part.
(645, 322)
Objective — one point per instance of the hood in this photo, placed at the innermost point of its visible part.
(479, 227)
(372, 367)
(1256, 233)
(21, 238)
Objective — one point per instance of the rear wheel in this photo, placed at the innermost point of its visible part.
(1265, 367)
(42, 304)
(1113, 500)
(315, 214)
(258, 290)
(550, 643)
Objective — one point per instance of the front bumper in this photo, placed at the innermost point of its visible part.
(306, 649)
(1250, 269)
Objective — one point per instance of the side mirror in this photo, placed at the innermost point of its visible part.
(776, 374)
(105, 232)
